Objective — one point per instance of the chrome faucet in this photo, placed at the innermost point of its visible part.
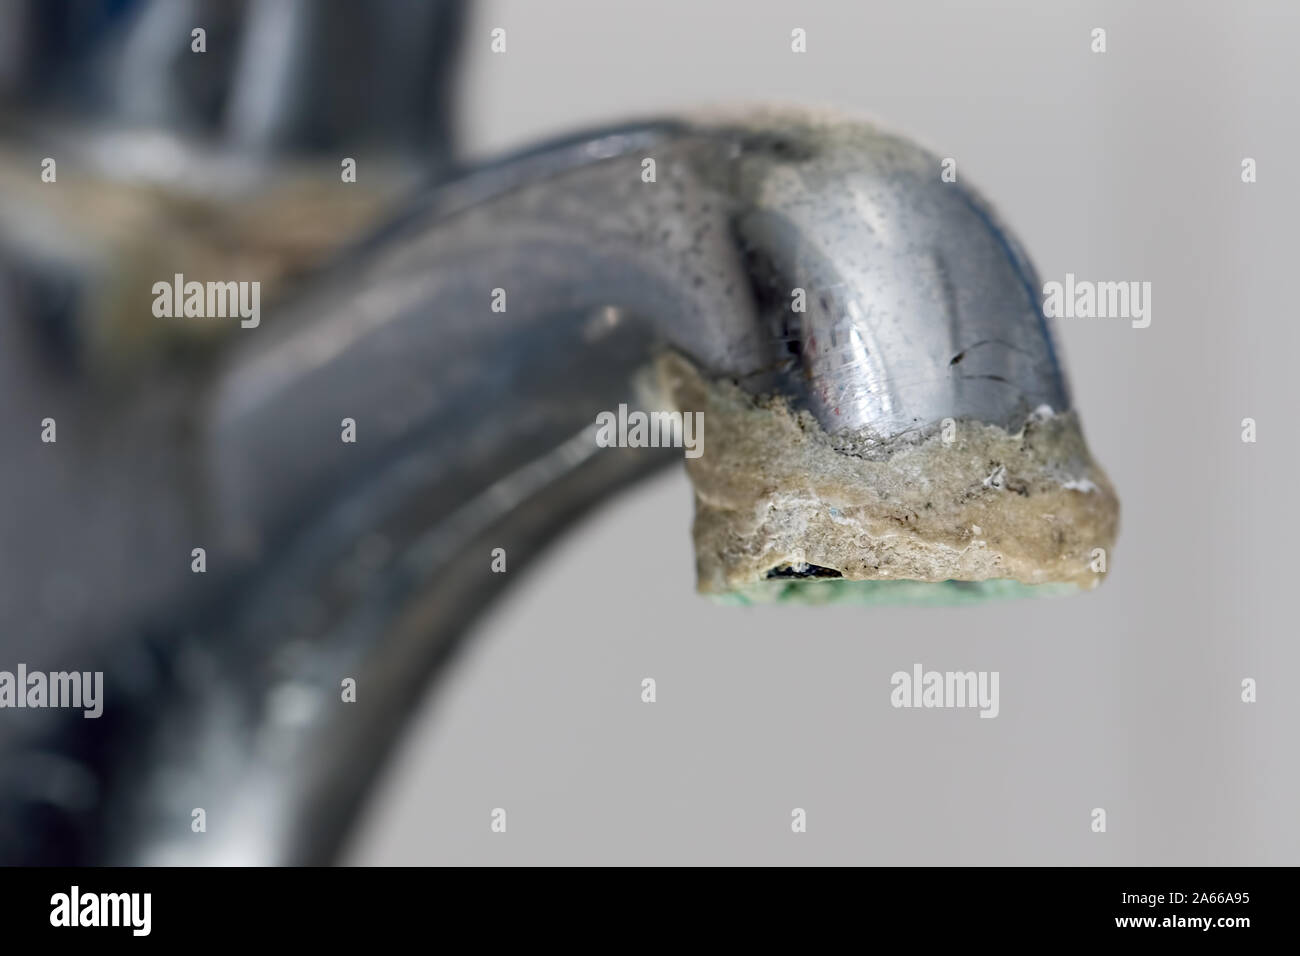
(471, 342)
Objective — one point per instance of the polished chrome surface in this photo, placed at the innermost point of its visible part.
(920, 303)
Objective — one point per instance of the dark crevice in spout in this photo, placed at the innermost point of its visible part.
(803, 571)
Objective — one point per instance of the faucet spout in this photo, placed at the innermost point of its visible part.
(807, 282)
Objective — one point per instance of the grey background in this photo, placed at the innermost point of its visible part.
(1121, 166)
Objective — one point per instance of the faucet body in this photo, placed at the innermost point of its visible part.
(472, 341)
